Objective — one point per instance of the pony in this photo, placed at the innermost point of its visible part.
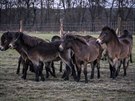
(38, 51)
(127, 36)
(6, 39)
(117, 50)
(56, 38)
(85, 51)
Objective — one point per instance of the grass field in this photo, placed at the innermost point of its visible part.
(13, 88)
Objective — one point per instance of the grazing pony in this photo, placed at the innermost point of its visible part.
(117, 50)
(85, 51)
(38, 51)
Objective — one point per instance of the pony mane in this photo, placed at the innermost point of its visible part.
(76, 37)
(31, 41)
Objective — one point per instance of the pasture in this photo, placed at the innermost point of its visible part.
(13, 88)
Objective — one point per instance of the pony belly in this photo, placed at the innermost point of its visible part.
(48, 58)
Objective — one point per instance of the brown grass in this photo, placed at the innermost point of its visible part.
(13, 88)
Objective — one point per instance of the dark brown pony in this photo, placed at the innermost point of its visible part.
(85, 51)
(56, 38)
(6, 39)
(117, 50)
(38, 51)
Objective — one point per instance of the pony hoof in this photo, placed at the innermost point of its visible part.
(91, 77)
(86, 81)
(23, 77)
(43, 79)
(37, 80)
(47, 76)
(113, 78)
(63, 76)
(17, 73)
(124, 75)
(77, 80)
(66, 79)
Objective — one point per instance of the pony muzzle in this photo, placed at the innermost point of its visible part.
(11, 45)
(99, 41)
(61, 48)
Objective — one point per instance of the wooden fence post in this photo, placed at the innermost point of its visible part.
(21, 25)
(119, 26)
(61, 27)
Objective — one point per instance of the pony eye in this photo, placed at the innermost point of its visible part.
(105, 34)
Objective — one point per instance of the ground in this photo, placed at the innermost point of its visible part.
(14, 88)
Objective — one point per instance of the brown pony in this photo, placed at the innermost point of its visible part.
(117, 50)
(127, 36)
(85, 51)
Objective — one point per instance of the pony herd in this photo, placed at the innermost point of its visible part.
(75, 51)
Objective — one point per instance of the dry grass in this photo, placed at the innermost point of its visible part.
(13, 88)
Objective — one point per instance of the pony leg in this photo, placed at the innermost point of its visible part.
(53, 68)
(111, 73)
(85, 73)
(78, 72)
(18, 68)
(92, 71)
(73, 70)
(60, 66)
(36, 73)
(47, 69)
(131, 58)
(118, 69)
(64, 74)
(98, 70)
(40, 71)
(125, 66)
(68, 70)
(25, 68)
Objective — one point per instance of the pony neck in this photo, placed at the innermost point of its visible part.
(113, 42)
(75, 45)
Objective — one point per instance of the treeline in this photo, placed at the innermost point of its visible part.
(78, 12)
